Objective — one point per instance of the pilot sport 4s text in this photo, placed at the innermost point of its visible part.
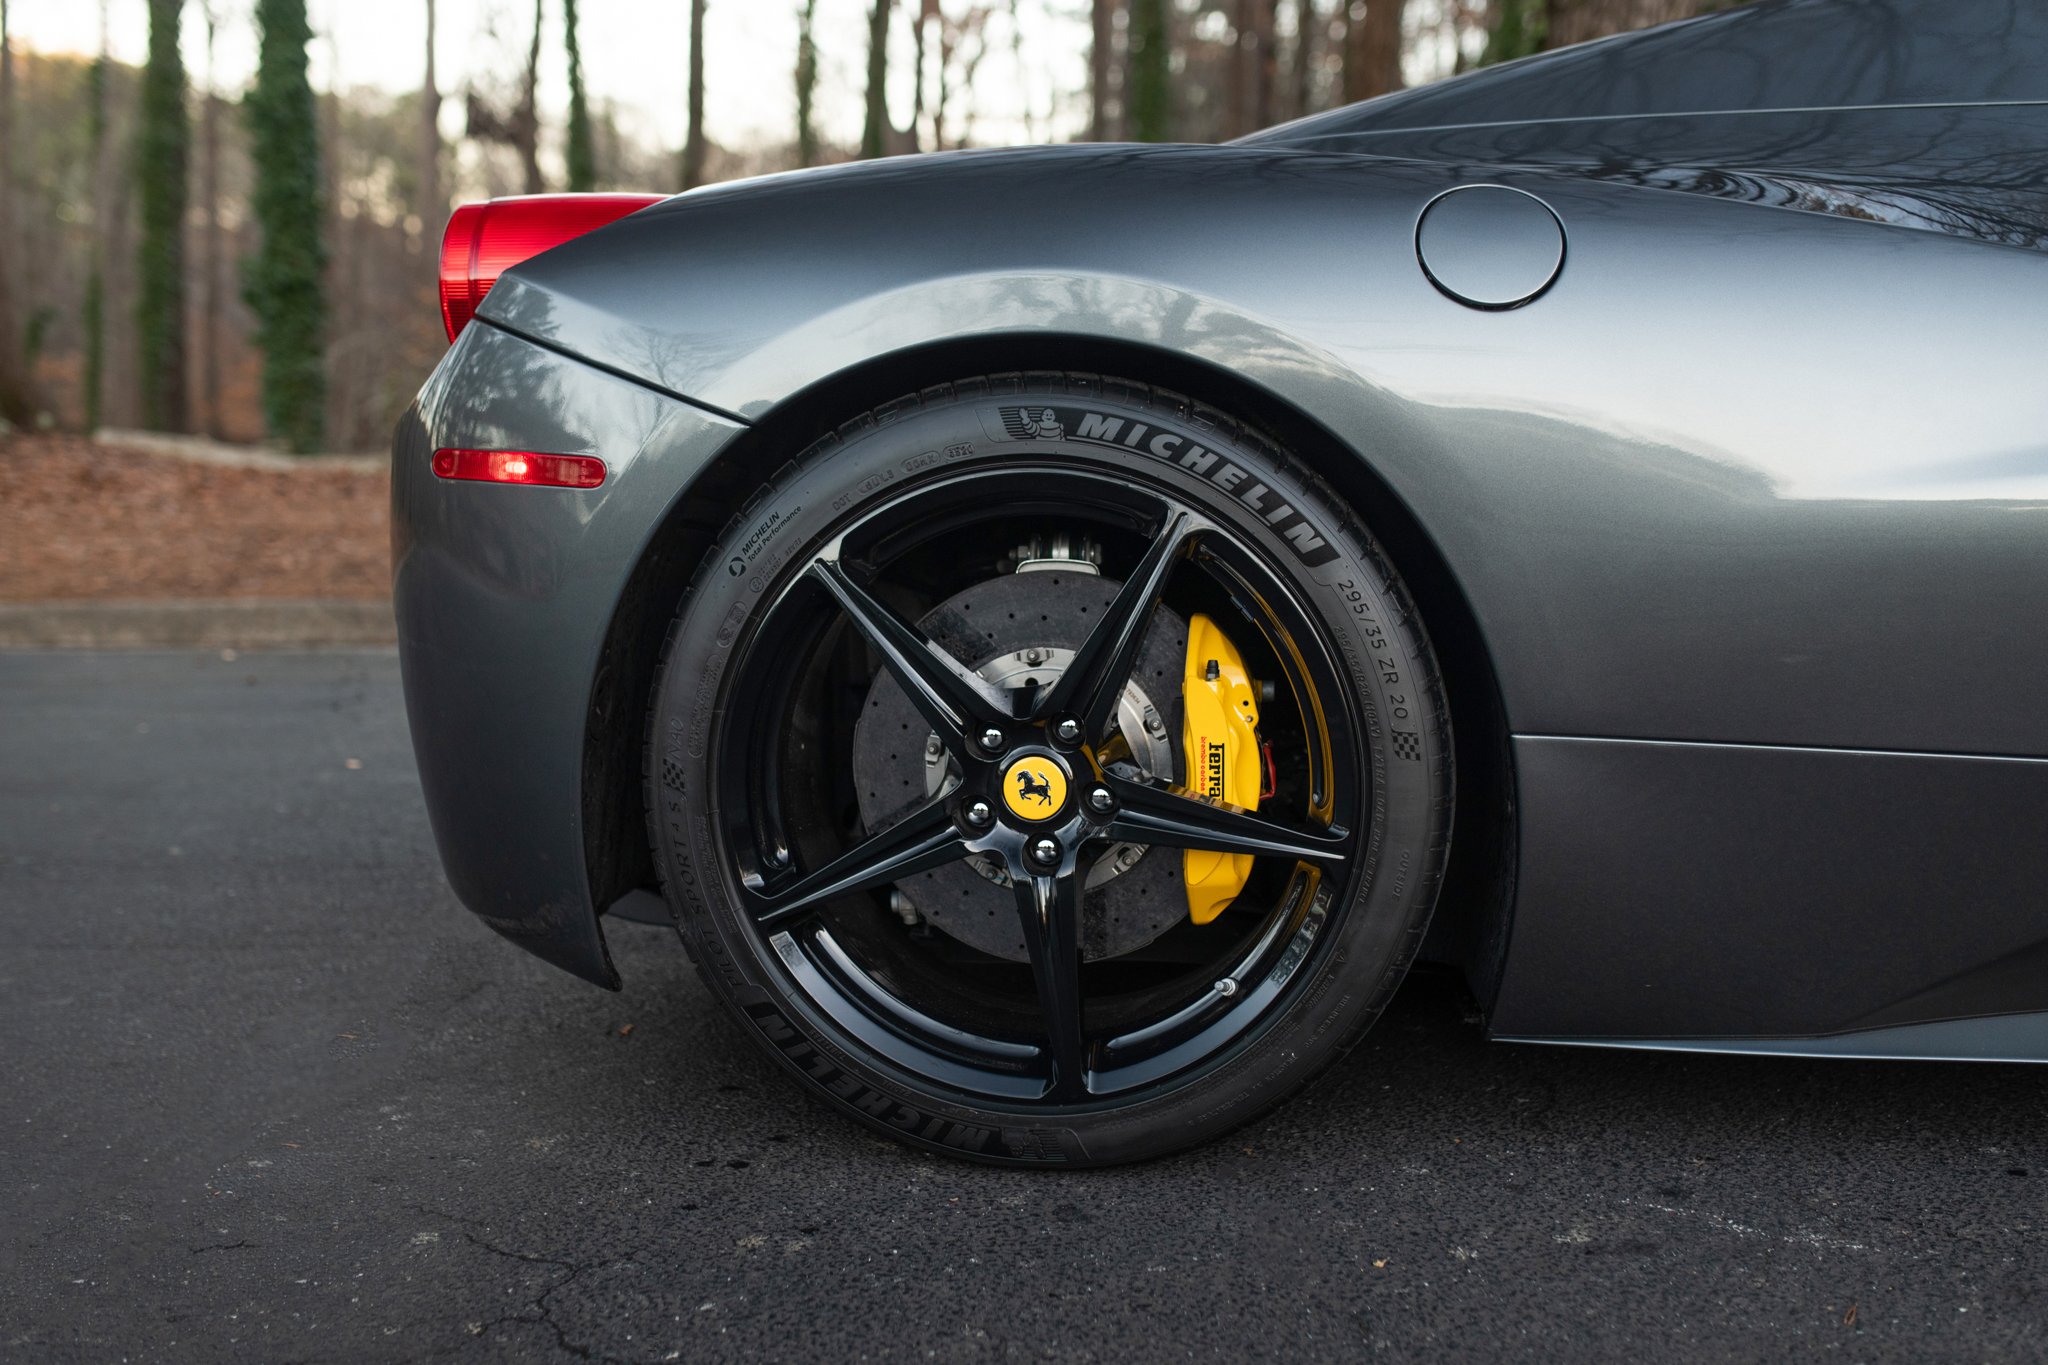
(1064, 629)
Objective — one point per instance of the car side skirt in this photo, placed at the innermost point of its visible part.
(1996, 1038)
(1778, 899)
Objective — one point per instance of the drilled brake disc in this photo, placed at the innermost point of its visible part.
(1022, 626)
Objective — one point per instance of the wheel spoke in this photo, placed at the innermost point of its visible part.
(1050, 908)
(1173, 817)
(952, 699)
(1094, 681)
(918, 843)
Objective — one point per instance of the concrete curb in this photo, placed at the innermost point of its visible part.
(173, 623)
(200, 450)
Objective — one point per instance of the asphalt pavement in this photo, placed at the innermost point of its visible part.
(271, 1095)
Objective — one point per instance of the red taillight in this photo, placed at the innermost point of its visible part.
(485, 240)
(520, 466)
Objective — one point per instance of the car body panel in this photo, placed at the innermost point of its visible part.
(1656, 419)
(1919, 113)
(1774, 55)
(1968, 171)
(503, 596)
(1750, 506)
(1695, 890)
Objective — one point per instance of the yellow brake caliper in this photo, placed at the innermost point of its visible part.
(1220, 740)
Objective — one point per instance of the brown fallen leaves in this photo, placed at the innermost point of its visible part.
(79, 520)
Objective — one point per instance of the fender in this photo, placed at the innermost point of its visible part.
(1654, 419)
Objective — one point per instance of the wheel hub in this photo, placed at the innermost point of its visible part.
(1024, 628)
(1034, 787)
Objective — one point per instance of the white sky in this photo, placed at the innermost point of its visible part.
(635, 53)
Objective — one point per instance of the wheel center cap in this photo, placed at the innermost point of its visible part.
(1035, 787)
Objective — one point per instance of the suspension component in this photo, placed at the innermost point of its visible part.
(1220, 740)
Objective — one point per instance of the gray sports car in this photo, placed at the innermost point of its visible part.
(1064, 629)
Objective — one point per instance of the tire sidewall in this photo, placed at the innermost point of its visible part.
(1337, 572)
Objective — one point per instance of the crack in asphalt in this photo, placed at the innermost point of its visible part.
(538, 1311)
(539, 1306)
(541, 1312)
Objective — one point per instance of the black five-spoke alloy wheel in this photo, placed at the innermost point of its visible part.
(945, 814)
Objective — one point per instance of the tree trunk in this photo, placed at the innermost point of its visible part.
(874, 135)
(1251, 67)
(1237, 92)
(1302, 72)
(433, 199)
(949, 47)
(1372, 51)
(162, 148)
(694, 146)
(806, 85)
(103, 217)
(1031, 133)
(1269, 104)
(343, 244)
(1578, 21)
(519, 126)
(969, 65)
(329, 105)
(210, 243)
(527, 120)
(927, 11)
(14, 385)
(1522, 27)
(1148, 94)
(581, 157)
(1101, 63)
(1517, 30)
(1468, 17)
(118, 384)
(285, 276)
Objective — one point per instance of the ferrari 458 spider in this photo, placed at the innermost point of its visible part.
(1063, 629)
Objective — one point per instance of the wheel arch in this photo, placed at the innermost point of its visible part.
(1470, 929)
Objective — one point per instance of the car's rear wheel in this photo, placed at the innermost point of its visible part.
(1047, 769)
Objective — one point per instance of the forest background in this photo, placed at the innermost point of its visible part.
(222, 217)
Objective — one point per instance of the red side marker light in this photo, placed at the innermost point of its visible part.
(520, 466)
(483, 241)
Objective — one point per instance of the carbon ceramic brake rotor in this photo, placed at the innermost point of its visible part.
(1020, 625)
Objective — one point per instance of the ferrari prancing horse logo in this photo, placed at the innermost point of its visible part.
(1034, 788)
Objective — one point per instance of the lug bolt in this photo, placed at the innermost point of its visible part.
(1068, 730)
(978, 814)
(992, 739)
(1100, 801)
(1046, 851)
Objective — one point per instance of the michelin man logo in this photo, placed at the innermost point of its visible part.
(1023, 424)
